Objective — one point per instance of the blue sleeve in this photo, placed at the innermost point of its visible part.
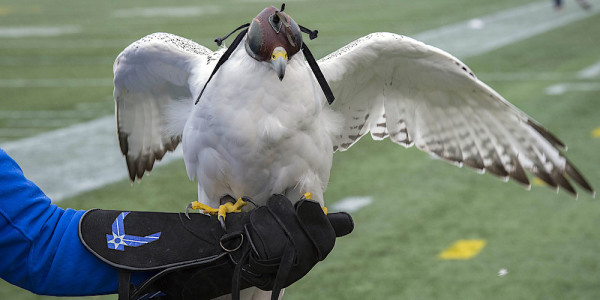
(39, 244)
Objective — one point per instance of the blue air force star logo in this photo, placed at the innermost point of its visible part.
(118, 239)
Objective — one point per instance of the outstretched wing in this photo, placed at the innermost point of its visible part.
(152, 76)
(416, 94)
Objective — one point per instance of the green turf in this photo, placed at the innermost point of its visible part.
(90, 52)
(547, 242)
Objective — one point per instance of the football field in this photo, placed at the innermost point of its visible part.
(56, 83)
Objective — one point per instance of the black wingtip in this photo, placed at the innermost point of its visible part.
(518, 173)
(562, 182)
(577, 177)
(545, 177)
(546, 134)
(130, 168)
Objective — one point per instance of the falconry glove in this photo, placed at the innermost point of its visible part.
(269, 247)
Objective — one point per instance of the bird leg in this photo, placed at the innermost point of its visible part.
(222, 211)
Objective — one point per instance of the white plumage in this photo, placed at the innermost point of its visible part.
(253, 135)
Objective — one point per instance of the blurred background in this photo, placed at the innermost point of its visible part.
(57, 121)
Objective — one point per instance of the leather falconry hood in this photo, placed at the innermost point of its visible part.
(272, 28)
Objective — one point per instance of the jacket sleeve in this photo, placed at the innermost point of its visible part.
(40, 248)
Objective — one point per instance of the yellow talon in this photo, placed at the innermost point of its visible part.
(222, 210)
(324, 209)
(205, 208)
(237, 207)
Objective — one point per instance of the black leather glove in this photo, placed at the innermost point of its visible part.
(286, 242)
(270, 247)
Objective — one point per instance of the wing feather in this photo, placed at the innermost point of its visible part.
(151, 76)
(419, 95)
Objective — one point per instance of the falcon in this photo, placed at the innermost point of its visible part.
(261, 118)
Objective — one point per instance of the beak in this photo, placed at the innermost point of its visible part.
(279, 60)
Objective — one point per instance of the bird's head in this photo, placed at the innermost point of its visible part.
(273, 37)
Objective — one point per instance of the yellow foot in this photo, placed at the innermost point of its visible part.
(222, 211)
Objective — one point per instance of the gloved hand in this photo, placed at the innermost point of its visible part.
(269, 247)
(286, 242)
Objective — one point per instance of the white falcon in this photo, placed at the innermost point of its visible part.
(263, 125)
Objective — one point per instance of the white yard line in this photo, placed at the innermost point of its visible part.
(86, 156)
(33, 31)
(590, 72)
(484, 34)
(351, 204)
(561, 88)
(75, 159)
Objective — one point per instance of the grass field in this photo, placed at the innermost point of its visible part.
(548, 243)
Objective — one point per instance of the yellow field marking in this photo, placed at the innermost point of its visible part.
(596, 133)
(538, 182)
(5, 10)
(463, 249)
